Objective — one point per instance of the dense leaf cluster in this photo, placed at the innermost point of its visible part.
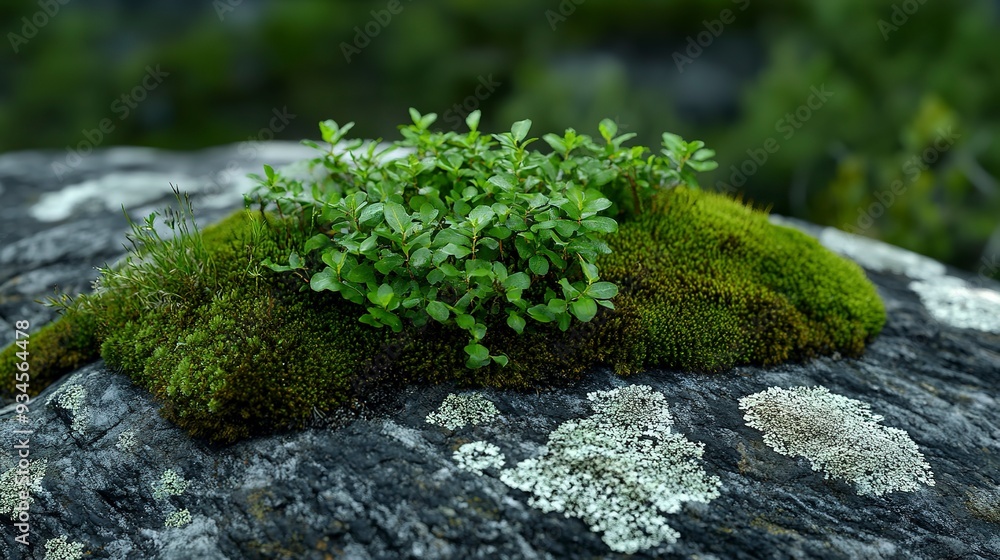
(468, 226)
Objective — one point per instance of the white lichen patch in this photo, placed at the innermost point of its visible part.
(170, 484)
(457, 411)
(178, 519)
(478, 456)
(61, 549)
(15, 496)
(954, 302)
(127, 441)
(620, 470)
(879, 256)
(73, 399)
(839, 436)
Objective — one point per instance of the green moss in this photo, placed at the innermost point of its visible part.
(706, 283)
(54, 350)
(714, 284)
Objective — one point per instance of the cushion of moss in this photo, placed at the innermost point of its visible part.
(714, 284)
(55, 349)
(705, 283)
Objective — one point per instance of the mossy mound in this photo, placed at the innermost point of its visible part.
(705, 283)
(715, 284)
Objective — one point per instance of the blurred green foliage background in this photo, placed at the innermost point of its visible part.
(876, 116)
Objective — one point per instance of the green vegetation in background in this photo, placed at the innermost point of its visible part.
(234, 348)
(897, 78)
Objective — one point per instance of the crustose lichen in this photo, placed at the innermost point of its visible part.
(839, 436)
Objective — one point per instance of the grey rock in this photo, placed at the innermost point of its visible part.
(386, 485)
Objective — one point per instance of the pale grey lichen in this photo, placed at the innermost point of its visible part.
(60, 549)
(170, 484)
(73, 399)
(127, 441)
(458, 411)
(478, 456)
(11, 490)
(839, 436)
(954, 302)
(879, 256)
(178, 519)
(619, 470)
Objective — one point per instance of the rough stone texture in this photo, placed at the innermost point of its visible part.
(387, 486)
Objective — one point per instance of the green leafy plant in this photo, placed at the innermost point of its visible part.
(465, 228)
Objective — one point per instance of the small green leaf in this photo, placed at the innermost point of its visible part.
(362, 274)
(455, 250)
(601, 224)
(472, 121)
(479, 355)
(420, 258)
(318, 241)
(501, 359)
(438, 311)
(516, 322)
(465, 321)
(583, 309)
(538, 265)
(371, 215)
(518, 280)
(602, 290)
(505, 181)
(387, 318)
(396, 216)
(389, 263)
(382, 297)
(556, 305)
(541, 314)
(519, 130)
(478, 331)
(481, 216)
(325, 279)
(608, 129)
(427, 213)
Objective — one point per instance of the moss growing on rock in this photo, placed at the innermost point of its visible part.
(233, 348)
(712, 284)
(56, 349)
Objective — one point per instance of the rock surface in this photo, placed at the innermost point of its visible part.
(387, 486)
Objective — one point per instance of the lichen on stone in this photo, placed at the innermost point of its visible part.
(127, 441)
(73, 399)
(839, 436)
(954, 302)
(477, 456)
(10, 490)
(620, 470)
(170, 484)
(60, 548)
(178, 519)
(458, 411)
